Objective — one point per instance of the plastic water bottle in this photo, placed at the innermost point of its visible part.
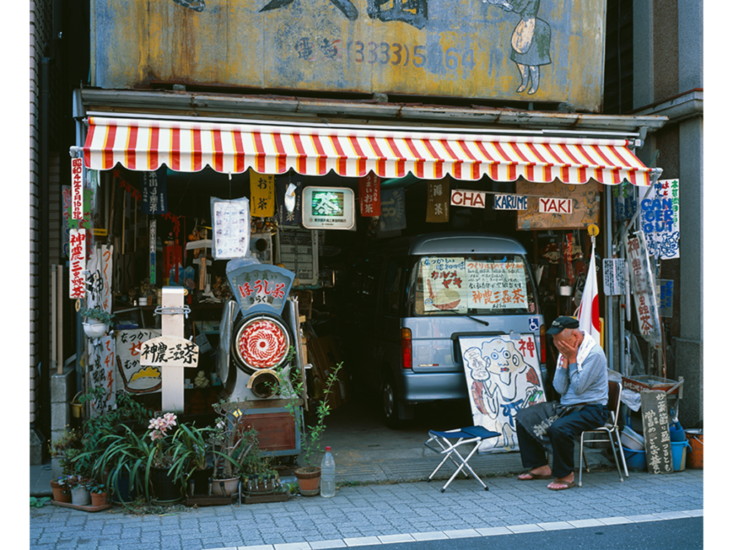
(328, 475)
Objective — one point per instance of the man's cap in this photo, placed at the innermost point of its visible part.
(561, 323)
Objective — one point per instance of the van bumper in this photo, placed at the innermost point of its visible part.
(426, 387)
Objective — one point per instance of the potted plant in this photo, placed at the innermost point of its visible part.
(79, 486)
(189, 452)
(97, 321)
(159, 461)
(98, 493)
(225, 444)
(309, 474)
(61, 492)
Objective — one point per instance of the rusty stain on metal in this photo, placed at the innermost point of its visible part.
(523, 50)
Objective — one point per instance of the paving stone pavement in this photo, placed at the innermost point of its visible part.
(380, 514)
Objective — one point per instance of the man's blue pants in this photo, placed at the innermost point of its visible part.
(562, 434)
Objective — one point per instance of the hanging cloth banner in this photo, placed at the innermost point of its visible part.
(660, 219)
(289, 200)
(77, 189)
(642, 282)
(153, 240)
(77, 262)
(155, 197)
(438, 201)
(370, 202)
(100, 370)
(393, 216)
(262, 195)
(99, 281)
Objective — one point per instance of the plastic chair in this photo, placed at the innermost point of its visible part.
(610, 429)
(448, 444)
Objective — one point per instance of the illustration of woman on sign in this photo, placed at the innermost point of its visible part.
(530, 41)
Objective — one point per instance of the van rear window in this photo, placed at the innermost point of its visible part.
(485, 284)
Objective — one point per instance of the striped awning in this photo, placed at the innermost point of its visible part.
(233, 148)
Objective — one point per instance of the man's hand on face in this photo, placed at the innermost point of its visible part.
(568, 347)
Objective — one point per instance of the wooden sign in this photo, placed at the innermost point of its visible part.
(656, 432)
(100, 372)
(77, 190)
(614, 281)
(550, 205)
(510, 202)
(370, 203)
(169, 351)
(473, 199)
(586, 209)
(438, 208)
(77, 262)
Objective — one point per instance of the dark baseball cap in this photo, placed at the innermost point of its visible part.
(561, 323)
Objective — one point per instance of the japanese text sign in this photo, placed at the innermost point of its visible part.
(262, 194)
(101, 372)
(660, 219)
(510, 202)
(666, 295)
(642, 283)
(614, 282)
(257, 287)
(370, 195)
(154, 191)
(77, 189)
(169, 351)
(328, 208)
(153, 248)
(131, 376)
(289, 200)
(473, 199)
(438, 201)
(444, 282)
(393, 216)
(624, 205)
(231, 228)
(657, 440)
(496, 285)
(77, 262)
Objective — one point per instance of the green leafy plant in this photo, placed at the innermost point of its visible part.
(97, 314)
(97, 488)
(189, 451)
(39, 502)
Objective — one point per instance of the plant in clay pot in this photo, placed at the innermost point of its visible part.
(98, 493)
(226, 442)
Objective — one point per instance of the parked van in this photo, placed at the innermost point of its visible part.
(409, 301)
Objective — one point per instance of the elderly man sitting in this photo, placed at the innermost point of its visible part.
(582, 382)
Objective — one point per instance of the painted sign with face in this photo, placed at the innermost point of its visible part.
(503, 376)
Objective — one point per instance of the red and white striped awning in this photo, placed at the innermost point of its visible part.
(233, 148)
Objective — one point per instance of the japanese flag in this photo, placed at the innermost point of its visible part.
(588, 316)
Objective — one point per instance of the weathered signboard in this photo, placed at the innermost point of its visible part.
(526, 50)
(656, 432)
(555, 205)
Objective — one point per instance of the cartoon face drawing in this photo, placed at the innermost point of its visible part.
(477, 364)
(505, 362)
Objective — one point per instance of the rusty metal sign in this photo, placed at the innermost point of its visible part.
(524, 50)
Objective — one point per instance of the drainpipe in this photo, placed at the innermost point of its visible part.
(43, 268)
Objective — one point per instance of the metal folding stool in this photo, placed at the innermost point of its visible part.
(448, 444)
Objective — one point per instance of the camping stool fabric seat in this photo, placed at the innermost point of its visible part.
(448, 444)
(610, 430)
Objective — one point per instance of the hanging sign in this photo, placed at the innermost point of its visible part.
(101, 372)
(473, 199)
(369, 195)
(510, 202)
(660, 219)
(393, 217)
(624, 205)
(642, 283)
(231, 222)
(438, 201)
(666, 295)
(77, 262)
(613, 277)
(154, 195)
(328, 208)
(262, 194)
(259, 288)
(549, 205)
(131, 376)
(77, 189)
(153, 239)
(289, 200)
(99, 279)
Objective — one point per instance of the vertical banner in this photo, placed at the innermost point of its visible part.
(99, 279)
(666, 295)
(503, 376)
(438, 200)
(262, 194)
(101, 353)
(370, 195)
(660, 219)
(393, 217)
(155, 197)
(77, 262)
(289, 200)
(624, 205)
(77, 189)
(613, 276)
(642, 282)
(153, 239)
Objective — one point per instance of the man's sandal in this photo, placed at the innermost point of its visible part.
(530, 476)
(562, 485)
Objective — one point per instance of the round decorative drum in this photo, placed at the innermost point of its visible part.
(261, 342)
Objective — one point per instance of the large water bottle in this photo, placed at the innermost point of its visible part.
(328, 475)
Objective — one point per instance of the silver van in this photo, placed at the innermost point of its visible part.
(409, 301)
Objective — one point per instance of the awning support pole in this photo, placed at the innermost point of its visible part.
(608, 243)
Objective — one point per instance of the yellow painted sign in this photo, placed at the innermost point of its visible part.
(262, 195)
(524, 50)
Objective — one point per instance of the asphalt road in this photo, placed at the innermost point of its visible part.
(677, 534)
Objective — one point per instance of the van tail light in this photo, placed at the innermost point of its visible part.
(542, 344)
(406, 348)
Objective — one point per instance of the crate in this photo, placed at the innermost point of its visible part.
(648, 382)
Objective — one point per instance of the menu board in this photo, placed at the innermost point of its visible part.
(297, 251)
(496, 285)
(444, 284)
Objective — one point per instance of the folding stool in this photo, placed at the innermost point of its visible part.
(448, 444)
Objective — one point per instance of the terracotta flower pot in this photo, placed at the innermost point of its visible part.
(60, 492)
(99, 499)
(226, 487)
(309, 481)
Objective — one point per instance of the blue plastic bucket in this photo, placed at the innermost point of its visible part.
(635, 460)
(679, 454)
